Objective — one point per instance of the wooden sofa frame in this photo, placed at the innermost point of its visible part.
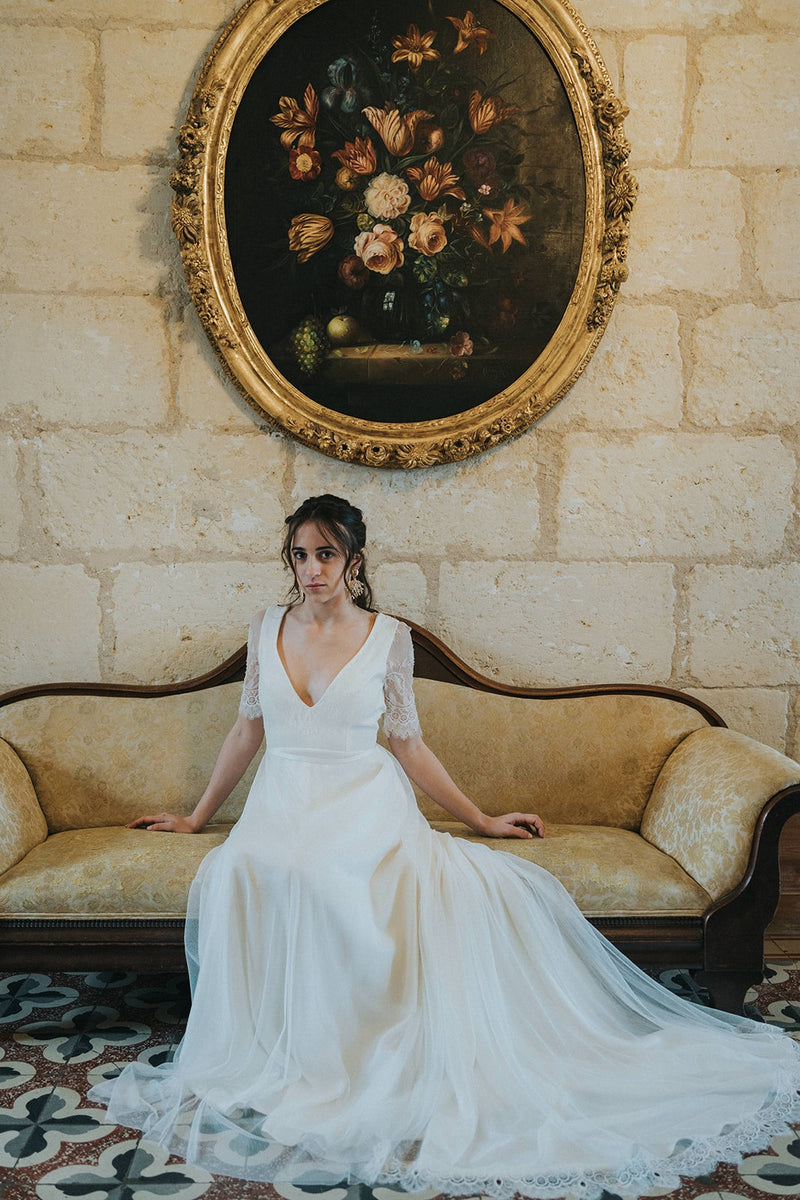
(723, 949)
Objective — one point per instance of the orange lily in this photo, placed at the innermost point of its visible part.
(358, 156)
(470, 31)
(414, 48)
(435, 179)
(397, 130)
(487, 111)
(298, 124)
(505, 224)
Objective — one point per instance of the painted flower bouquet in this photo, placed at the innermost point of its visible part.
(412, 209)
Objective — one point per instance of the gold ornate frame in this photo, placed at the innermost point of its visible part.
(198, 217)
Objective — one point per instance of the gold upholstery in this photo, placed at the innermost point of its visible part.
(608, 872)
(22, 823)
(107, 873)
(706, 801)
(103, 760)
(587, 764)
(588, 760)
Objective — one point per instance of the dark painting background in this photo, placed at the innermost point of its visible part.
(261, 198)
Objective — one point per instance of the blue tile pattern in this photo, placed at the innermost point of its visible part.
(59, 1034)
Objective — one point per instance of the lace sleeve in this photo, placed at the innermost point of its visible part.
(400, 719)
(250, 705)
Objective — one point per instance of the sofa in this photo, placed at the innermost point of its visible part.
(663, 824)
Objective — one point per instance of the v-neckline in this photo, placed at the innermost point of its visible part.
(284, 668)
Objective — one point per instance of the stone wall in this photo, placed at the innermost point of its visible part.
(645, 530)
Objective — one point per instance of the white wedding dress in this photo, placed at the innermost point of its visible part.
(377, 1002)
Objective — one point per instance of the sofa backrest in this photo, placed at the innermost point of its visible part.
(100, 760)
(583, 760)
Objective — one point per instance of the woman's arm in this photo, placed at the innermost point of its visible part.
(235, 756)
(424, 769)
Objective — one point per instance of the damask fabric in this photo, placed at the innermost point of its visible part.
(379, 1002)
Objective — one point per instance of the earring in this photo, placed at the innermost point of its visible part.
(355, 587)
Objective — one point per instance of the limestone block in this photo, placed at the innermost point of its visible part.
(10, 499)
(684, 495)
(655, 87)
(162, 12)
(634, 379)
(477, 505)
(71, 226)
(761, 713)
(747, 111)
(782, 13)
(46, 75)
(402, 589)
(206, 397)
(776, 220)
(744, 625)
(547, 623)
(685, 233)
(746, 366)
(149, 76)
(84, 361)
(794, 750)
(176, 621)
(656, 14)
(136, 490)
(49, 625)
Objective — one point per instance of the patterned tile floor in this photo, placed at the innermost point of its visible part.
(59, 1033)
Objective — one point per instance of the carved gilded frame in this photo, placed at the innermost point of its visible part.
(198, 217)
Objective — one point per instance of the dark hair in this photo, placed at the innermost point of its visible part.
(340, 521)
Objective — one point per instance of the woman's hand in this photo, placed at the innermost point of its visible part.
(521, 825)
(164, 822)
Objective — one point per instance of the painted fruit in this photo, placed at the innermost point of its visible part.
(343, 331)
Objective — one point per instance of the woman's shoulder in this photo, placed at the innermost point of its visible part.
(272, 613)
(397, 639)
(395, 623)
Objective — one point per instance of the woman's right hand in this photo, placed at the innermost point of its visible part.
(164, 823)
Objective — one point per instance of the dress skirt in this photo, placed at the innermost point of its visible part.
(376, 1002)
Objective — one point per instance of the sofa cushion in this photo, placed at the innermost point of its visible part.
(103, 760)
(112, 872)
(608, 872)
(590, 760)
(22, 823)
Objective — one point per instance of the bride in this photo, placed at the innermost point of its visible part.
(379, 1003)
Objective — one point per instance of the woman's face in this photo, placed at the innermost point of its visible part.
(319, 563)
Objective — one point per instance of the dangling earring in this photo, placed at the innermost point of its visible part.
(355, 587)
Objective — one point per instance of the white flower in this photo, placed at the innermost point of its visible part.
(387, 196)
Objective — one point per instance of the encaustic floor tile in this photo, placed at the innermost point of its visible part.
(62, 1032)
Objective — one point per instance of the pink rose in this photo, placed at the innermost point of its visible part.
(380, 249)
(427, 234)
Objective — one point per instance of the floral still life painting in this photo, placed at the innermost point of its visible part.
(405, 204)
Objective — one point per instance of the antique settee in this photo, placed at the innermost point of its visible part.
(662, 823)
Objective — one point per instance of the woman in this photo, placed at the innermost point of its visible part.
(377, 1002)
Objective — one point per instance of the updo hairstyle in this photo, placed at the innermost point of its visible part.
(344, 524)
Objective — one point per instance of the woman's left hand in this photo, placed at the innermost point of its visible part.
(521, 825)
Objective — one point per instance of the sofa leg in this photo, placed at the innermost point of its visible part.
(728, 988)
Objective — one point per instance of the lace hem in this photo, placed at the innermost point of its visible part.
(640, 1175)
(234, 1145)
